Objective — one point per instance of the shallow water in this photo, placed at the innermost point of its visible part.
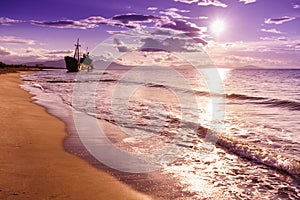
(258, 147)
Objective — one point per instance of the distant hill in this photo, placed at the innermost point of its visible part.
(98, 64)
(250, 67)
(50, 64)
(101, 64)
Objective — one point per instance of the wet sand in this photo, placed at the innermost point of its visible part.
(33, 162)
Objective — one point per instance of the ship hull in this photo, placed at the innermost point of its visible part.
(71, 64)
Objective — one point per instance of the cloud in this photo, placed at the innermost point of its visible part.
(129, 20)
(296, 6)
(273, 30)
(270, 52)
(239, 61)
(162, 32)
(4, 52)
(118, 41)
(121, 46)
(8, 21)
(152, 8)
(274, 38)
(279, 20)
(188, 28)
(178, 10)
(161, 40)
(200, 17)
(24, 55)
(15, 40)
(186, 1)
(82, 24)
(123, 49)
(170, 44)
(134, 21)
(126, 18)
(153, 45)
(182, 25)
(247, 1)
(117, 32)
(60, 52)
(45, 52)
(173, 12)
(212, 3)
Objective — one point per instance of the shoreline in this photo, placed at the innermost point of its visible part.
(33, 161)
(158, 184)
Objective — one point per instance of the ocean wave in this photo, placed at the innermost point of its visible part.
(155, 85)
(256, 154)
(202, 93)
(61, 81)
(243, 97)
(108, 80)
(291, 105)
(81, 80)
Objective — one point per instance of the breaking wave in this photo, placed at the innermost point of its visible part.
(288, 104)
(254, 153)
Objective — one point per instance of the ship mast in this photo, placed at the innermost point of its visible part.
(76, 54)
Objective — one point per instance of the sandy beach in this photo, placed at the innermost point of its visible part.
(33, 162)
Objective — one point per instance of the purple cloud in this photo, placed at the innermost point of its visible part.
(247, 1)
(296, 6)
(186, 1)
(126, 20)
(117, 32)
(178, 10)
(212, 3)
(121, 46)
(4, 52)
(46, 53)
(279, 20)
(152, 8)
(134, 18)
(61, 52)
(133, 21)
(82, 24)
(116, 21)
(8, 21)
(174, 13)
(152, 45)
(273, 30)
(182, 25)
(274, 38)
(188, 28)
(15, 40)
(170, 44)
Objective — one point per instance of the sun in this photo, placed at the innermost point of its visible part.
(218, 26)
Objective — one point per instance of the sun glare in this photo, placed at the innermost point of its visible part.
(218, 26)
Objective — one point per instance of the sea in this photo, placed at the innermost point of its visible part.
(220, 133)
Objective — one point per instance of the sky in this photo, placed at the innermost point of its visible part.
(233, 33)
